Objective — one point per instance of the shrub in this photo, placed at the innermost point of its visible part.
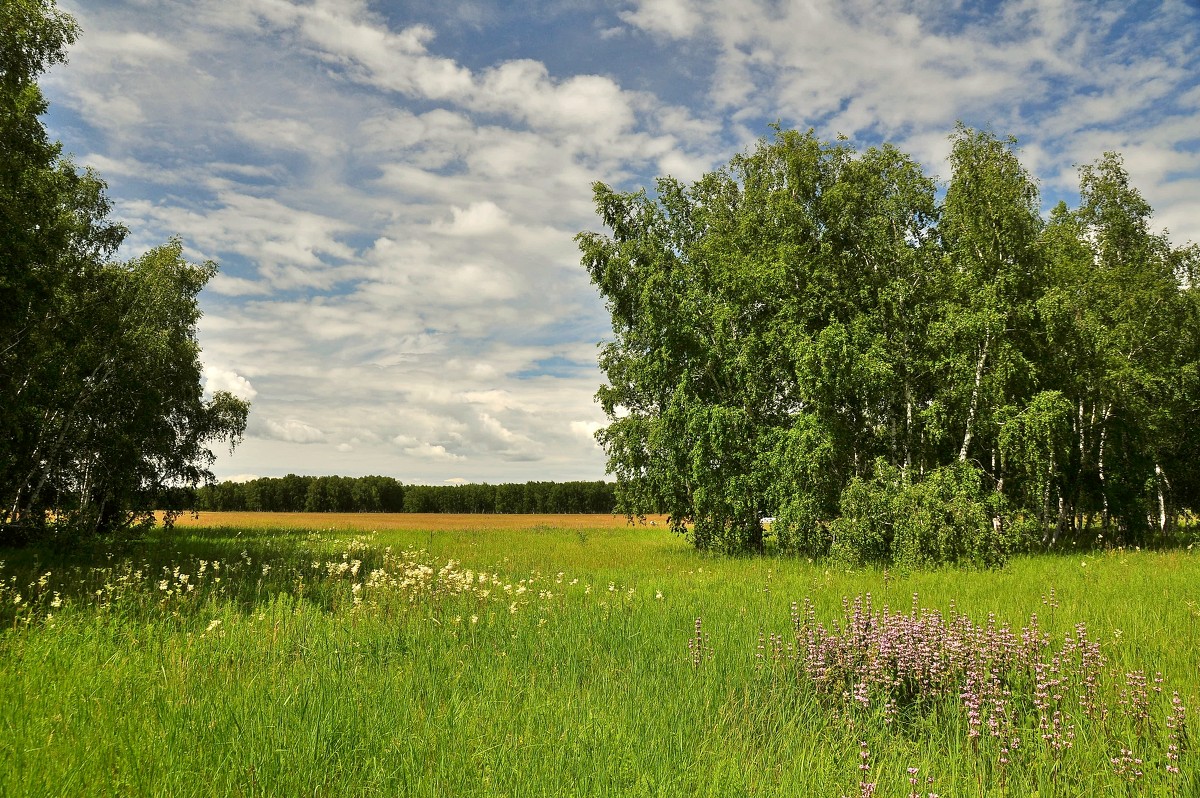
(948, 517)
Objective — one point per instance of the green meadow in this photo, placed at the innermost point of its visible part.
(563, 661)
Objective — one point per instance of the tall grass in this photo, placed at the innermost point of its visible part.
(542, 661)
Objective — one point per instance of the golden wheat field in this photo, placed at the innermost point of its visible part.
(418, 521)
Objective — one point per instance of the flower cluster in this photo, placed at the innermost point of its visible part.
(1017, 693)
(334, 573)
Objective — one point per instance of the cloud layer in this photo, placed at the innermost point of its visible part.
(392, 195)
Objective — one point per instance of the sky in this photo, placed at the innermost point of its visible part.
(392, 189)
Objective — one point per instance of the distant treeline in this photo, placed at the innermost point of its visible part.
(377, 494)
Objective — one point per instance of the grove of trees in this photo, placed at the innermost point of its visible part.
(894, 370)
(101, 407)
(376, 494)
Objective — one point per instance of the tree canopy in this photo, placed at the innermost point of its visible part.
(101, 406)
(826, 337)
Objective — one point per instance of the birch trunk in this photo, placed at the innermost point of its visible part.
(1160, 480)
(974, 409)
(1100, 463)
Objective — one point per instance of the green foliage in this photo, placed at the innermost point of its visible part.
(951, 516)
(784, 324)
(947, 517)
(101, 412)
(804, 489)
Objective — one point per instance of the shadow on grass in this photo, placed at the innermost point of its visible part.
(184, 570)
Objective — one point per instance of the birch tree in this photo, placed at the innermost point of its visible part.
(989, 229)
(100, 399)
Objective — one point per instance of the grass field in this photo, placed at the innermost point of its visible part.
(346, 656)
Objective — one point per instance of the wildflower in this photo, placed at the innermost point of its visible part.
(56, 602)
(474, 619)
(658, 595)
(213, 624)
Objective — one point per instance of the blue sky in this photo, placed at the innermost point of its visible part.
(391, 188)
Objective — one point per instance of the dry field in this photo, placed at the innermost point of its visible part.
(411, 521)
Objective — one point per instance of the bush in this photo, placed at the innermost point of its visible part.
(948, 517)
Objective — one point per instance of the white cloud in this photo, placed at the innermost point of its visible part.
(289, 429)
(218, 379)
(432, 452)
(586, 430)
(477, 219)
(675, 18)
(237, 286)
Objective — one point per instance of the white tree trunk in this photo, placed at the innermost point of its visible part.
(1100, 461)
(974, 409)
(1160, 480)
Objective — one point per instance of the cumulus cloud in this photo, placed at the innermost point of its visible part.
(288, 429)
(219, 379)
(431, 451)
(477, 219)
(586, 430)
(675, 18)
